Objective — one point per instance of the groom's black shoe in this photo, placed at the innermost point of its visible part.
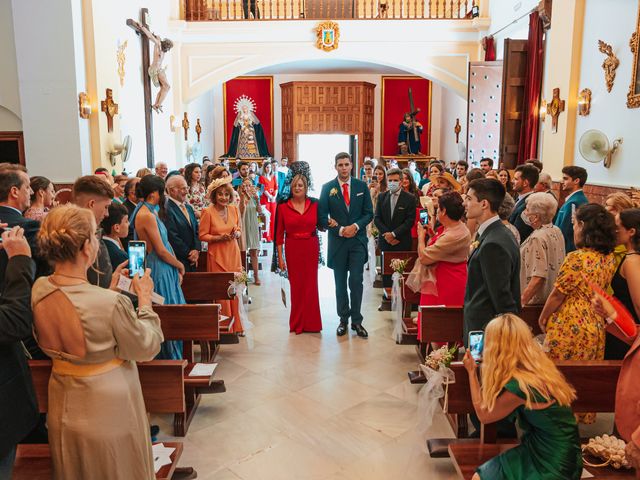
(360, 330)
(342, 329)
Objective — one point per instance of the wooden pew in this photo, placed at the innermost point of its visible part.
(33, 462)
(445, 325)
(207, 288)
(386, 269)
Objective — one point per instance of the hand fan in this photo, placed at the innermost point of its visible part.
(624, 320)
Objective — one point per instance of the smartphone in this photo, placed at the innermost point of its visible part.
(424, 216)
(476, 344)
(137, 257)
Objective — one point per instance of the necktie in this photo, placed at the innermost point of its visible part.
(186, 213)
(345, 193)
(394, 200)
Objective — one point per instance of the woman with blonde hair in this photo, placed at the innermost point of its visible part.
(95, 337)
(519, 379)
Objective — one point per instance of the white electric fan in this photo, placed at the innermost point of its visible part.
(594, 147)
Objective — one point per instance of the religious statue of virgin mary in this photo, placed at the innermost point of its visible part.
(247, 139)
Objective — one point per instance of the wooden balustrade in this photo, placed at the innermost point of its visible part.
(253, 10)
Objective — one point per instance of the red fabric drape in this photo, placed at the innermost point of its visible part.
(532, 86)
(489, 49)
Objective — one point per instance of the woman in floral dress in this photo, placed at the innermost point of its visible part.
(197, 192)
(574, 330)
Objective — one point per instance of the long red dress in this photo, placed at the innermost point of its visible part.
(451, 281)
(297, 232)
(270, 186)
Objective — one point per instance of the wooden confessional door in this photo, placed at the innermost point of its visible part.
(513, 79)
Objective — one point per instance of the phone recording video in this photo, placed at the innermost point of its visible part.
(476, 344)
(137, 255)
(424, 217)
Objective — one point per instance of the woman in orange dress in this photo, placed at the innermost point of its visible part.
(220, 228)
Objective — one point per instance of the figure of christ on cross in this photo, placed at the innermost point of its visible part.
(156, 70)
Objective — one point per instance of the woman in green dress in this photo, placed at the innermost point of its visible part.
(519, 380)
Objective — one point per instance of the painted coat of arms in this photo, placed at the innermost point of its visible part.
(327, 34)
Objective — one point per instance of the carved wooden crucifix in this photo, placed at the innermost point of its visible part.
(146, 82)
(554, 109)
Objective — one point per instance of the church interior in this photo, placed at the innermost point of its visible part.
(116, 87)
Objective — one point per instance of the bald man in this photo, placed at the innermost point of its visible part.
(181, 224)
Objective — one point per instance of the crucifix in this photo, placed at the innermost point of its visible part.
(110, 109)
(146, 81)
(554, 109)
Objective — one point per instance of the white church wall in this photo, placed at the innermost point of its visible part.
(9, 91)
(452, 107)
(56, 139)
(502, 14)
(202, 108)
(613, 21)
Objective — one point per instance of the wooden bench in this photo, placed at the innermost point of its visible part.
(595, 382)
(166, 388)
(386, 269)
(191, 323)
(207, 288)
(446, 325)
(33, 462)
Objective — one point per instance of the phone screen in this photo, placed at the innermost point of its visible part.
(424, 216)
(137, 253)
(476, 344)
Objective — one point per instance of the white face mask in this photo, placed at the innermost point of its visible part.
(394, 186)
(525, 218)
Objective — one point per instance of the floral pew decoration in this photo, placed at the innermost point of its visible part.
(399, 328)
(238, 288)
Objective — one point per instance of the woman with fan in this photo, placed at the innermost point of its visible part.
(298, 249)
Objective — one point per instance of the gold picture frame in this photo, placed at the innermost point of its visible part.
(633, 97)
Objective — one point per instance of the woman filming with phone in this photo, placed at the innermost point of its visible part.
(166, 269)
(519, 379)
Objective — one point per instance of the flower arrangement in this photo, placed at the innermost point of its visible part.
(443, 356)
(374, 232)
(240, 277)
(473, 246)
(333, 192)
(398, 265)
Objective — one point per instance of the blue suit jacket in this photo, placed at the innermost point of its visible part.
(360, 212)
(564, 221)
(182, 236)
(516, 220)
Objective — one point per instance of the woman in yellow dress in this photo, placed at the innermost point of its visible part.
(574, 331)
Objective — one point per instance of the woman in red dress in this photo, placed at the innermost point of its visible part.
(443, 261)
(296, 231)
(269, 183)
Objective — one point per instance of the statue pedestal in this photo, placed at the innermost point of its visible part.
(422, 161)
(233, 161)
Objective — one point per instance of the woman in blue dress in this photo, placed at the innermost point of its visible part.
(166, 269)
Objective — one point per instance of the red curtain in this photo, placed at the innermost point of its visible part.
(532, 86)
(258, 89)
(395, 103)
(489, 49)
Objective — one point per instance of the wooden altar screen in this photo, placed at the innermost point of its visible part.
(327, 107)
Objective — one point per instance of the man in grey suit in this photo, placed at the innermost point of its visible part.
(493, 269)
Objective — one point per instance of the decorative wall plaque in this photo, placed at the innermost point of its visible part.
(327, 35)
(609, 65)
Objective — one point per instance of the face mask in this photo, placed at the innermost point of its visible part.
(394, 186)
(525, 218)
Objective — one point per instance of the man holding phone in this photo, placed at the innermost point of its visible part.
(394, 218)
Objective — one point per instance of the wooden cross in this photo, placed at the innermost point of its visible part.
(110, 108)
(146, 82)
(554, 109)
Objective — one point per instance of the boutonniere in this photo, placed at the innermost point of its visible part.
(473, 246)
(333, 192)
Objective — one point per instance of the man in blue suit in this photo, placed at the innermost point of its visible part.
(182, 225)
(347, 201)
(573, 179)
(524, 180)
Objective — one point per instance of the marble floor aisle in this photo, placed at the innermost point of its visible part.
(312, 406)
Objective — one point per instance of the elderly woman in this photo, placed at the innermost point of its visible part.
(542, 253)
(574, 330)
(504, 212)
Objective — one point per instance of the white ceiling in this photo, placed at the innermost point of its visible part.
(326, 66)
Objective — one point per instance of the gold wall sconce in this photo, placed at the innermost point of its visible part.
(543, 110)
(584, 102)
(84, 105)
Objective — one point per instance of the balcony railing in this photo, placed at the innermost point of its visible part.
(261, 10)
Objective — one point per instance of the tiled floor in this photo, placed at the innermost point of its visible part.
(314, 406)
(311, 406)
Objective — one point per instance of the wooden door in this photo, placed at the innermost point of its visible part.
(12, 147)
(513, 79)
